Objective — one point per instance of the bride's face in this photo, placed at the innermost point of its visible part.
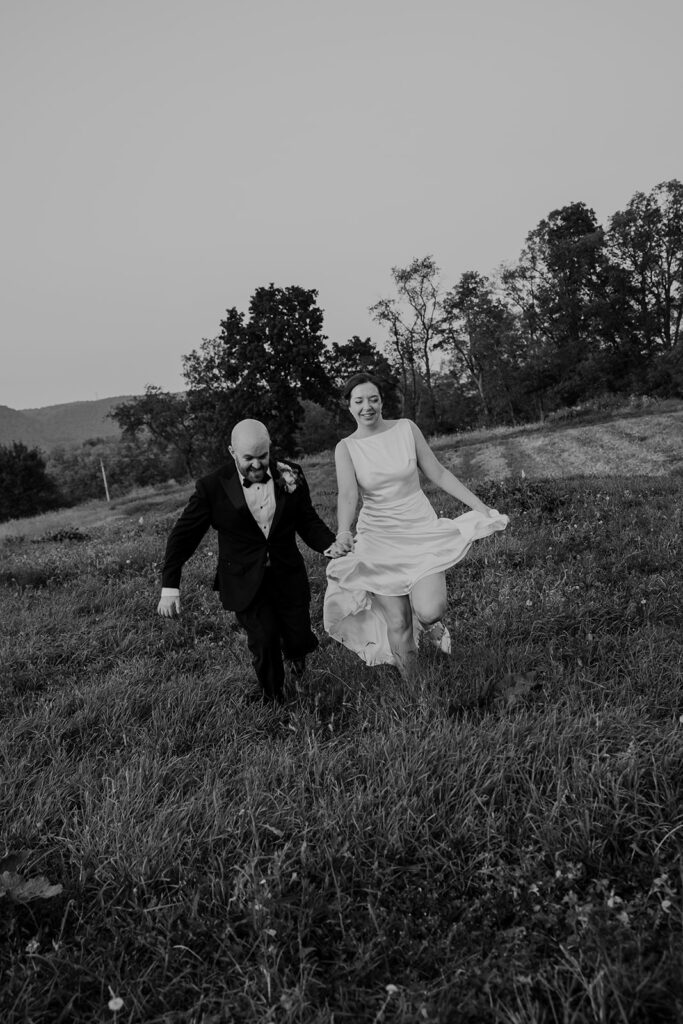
(365, 405)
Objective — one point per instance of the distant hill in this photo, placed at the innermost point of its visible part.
(17, 426)
(70, 423)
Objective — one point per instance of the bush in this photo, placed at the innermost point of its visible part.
(25, 487)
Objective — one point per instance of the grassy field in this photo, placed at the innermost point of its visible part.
(500, 843)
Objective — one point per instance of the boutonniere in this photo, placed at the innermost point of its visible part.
(289, 477)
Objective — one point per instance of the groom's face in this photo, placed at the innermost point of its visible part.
(251, 459)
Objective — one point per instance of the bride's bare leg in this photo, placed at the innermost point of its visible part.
(429, 600)
(398, 615)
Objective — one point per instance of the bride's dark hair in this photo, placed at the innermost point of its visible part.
(359, 378)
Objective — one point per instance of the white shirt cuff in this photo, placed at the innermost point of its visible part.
(170, 592)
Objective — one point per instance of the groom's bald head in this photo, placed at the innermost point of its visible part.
(249, 433)
(250, 448)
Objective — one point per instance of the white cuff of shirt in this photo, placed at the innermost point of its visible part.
(170, 592)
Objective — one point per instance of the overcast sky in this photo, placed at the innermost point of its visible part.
(164, 158)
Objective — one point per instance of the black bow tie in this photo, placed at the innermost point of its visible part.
(246, 482)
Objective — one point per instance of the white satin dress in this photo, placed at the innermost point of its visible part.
(399, 540)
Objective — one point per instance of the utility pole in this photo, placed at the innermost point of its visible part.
(104, 477)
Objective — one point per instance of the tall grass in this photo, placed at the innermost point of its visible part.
(499, 843)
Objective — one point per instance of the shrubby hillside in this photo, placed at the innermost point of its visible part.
(18, 426)
(66, 423)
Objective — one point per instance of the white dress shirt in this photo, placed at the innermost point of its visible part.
(260, 499)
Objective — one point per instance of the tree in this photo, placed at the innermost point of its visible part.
(169, 420)
(559, 290)
(478, 332)
(25, 487)
(261, 367)
(645, 241)
(360, 355)
(457, 403)
(411, 321)
(342, 359)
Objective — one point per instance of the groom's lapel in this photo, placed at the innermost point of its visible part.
(233, 488)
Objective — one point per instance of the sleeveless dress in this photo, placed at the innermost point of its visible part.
(399, 540)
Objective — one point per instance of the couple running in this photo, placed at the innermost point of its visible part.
(386, 584)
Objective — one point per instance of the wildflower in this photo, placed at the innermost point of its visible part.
(115, 1003)
(391, 989)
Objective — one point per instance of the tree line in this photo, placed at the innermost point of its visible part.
(585, 311)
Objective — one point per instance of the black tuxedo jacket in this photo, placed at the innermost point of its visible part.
(243, 549)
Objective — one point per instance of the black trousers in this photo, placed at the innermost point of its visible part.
(275, 627)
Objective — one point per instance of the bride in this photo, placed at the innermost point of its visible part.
(387, 584)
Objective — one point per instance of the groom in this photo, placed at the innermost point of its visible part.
(257, 506)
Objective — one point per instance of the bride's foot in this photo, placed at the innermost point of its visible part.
(439, 637)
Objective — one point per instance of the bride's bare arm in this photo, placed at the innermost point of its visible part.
(442, 477)
(347, 489)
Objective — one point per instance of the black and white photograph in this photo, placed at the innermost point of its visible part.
(341, 512)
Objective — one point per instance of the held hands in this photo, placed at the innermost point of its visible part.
(342, 546)
(169, 607)
(335, 550)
